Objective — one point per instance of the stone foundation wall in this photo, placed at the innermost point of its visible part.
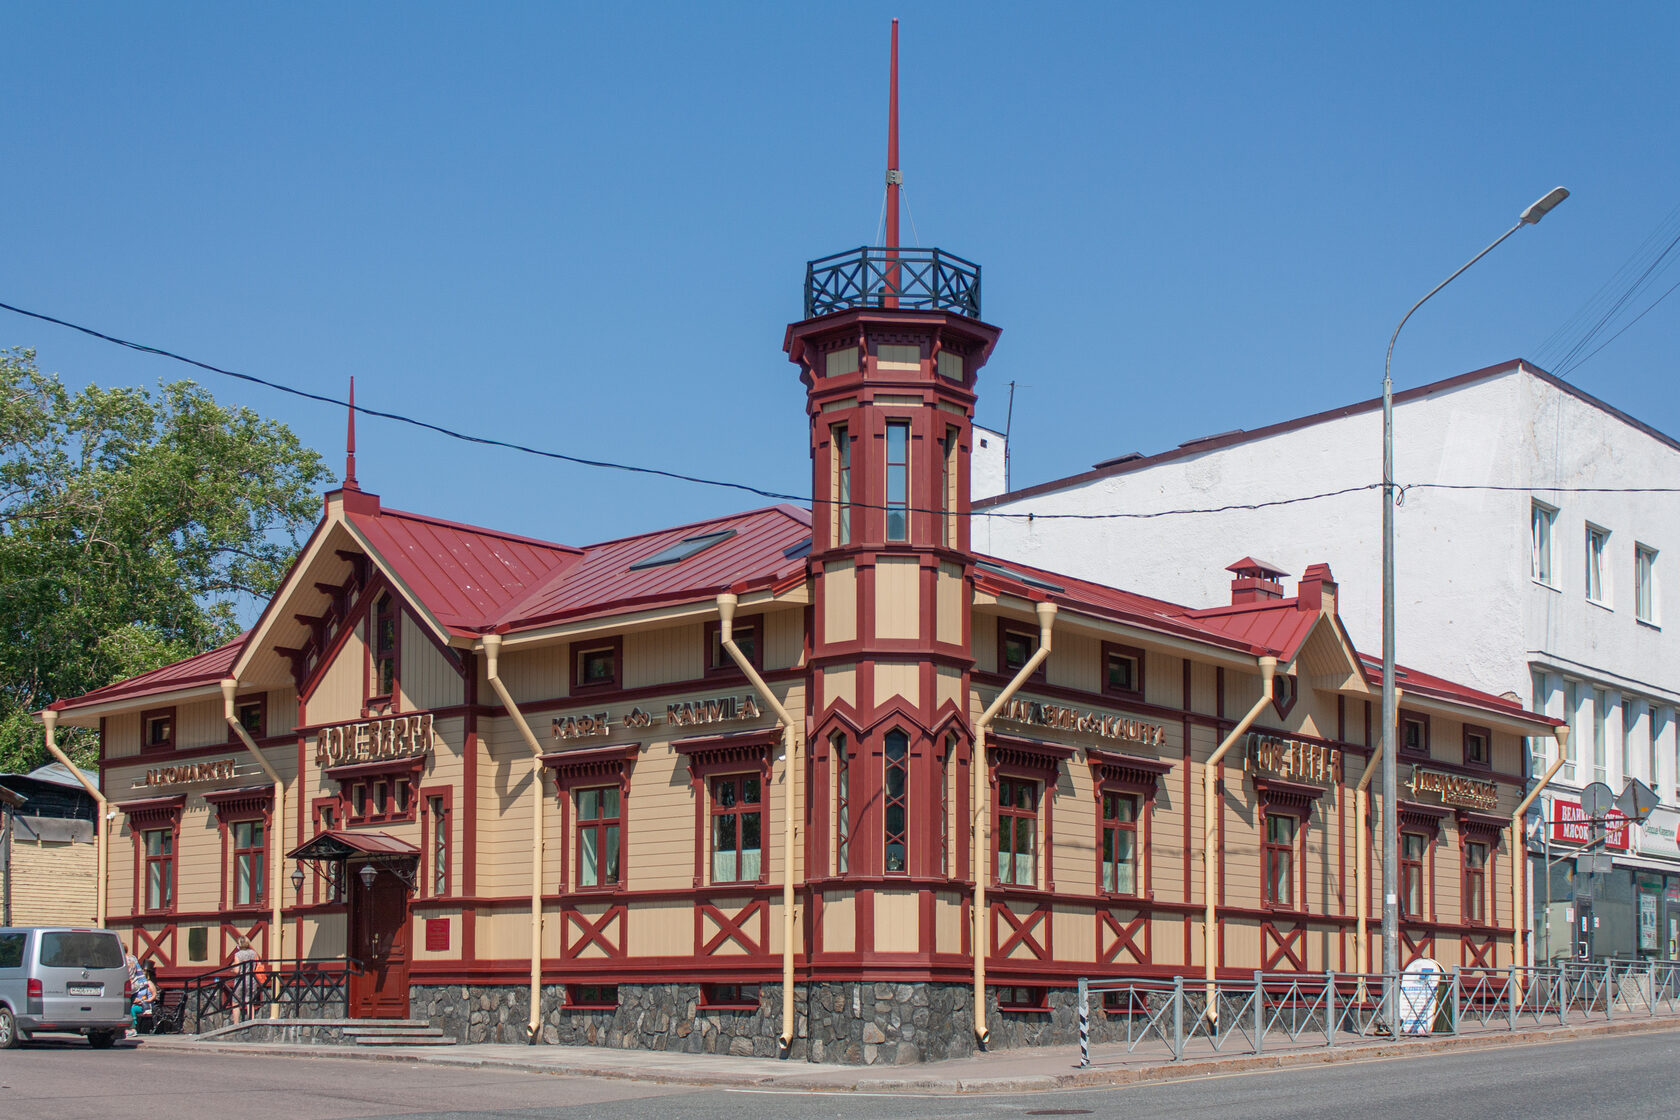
(852, 1023)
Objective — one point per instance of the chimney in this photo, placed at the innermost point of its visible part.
(1317, 589)
(1256, 581)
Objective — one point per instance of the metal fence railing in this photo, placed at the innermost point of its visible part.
(1321, 1009)
(292, 989)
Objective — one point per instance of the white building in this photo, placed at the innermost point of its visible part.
(1525, 564)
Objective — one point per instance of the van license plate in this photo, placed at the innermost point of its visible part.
(85, 989)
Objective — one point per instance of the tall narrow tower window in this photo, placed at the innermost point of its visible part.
(842, 497)
(898, 480)
(948, 487)
(897, 802)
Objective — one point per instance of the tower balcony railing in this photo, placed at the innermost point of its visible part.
(918, 279)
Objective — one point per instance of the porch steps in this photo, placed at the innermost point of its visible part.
(396, 1032)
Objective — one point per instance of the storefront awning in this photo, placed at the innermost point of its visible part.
(334, 845)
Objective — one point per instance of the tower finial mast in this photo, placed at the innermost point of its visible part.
(350, 482)
(894, 176)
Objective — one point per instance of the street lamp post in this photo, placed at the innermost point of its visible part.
(1390, 792)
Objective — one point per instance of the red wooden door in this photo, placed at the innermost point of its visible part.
(379, 940)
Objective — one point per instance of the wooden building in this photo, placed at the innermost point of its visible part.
(718, 787)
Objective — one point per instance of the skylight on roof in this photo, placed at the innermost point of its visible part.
(1011, 573)
(683, 549)
(796, 551)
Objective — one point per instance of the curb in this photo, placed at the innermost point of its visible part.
(1079, 1079)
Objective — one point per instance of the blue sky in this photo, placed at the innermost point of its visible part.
(585, 226)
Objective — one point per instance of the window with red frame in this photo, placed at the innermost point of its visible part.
(252, 713)
(1478, 746)
(159, 846)
(737, 828)
(896, 802)
(157, 730)
(842, 807)
(1122, 670)
(1278, 853)
(1414, 735)
(249, 848)
(1015, 648)
(384, 648)
(595, 667)
(380, 799)
(729, 997)
(745, 636)
(592, 997)
(945, 804)
(1475, 883)
(1017, 832)
(1414, 852)
(1012, 997)
(1120, 843)
(599, 829)
(437, 824)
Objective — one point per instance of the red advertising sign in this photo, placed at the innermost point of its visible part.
(1570, 825)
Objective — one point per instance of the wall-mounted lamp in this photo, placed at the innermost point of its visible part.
(297, 878)
(367, 873)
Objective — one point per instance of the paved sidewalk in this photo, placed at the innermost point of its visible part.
(1040, 1068)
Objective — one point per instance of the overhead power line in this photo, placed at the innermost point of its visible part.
(1015, 514)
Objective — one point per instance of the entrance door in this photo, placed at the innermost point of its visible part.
(379, 940)
(1583, 928)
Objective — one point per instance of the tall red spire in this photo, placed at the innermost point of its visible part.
(350, 482)
(894, 177)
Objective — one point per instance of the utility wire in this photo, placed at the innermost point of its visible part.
(1025, 515)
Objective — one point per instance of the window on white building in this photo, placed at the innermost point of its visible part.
(1627, 739)
(1539, 746)
(1598, 573)
(1544, 524)
(1572, 716)
(1601, 769)
(1645, 583)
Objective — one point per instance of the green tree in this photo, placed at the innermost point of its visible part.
(132, 527)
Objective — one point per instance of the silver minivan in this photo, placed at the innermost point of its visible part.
(60, 979)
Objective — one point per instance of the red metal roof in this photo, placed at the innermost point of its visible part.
(205, 668)
(604, 581)
(1278, 626)
(465, 576)
(1418, 683)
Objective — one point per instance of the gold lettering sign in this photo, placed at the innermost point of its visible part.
(694, 713)
(1292, 758)
(582, 727)
(374, 740)
(190, 772)
(1090, 723)
(1456, 789)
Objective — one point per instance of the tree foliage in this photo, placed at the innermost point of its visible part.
(133, 525)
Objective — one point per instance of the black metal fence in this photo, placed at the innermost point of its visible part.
(921, 279)
(306, 988)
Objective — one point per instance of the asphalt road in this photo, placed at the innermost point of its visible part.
(1625, 1076)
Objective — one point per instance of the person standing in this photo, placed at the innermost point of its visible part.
(244, 979)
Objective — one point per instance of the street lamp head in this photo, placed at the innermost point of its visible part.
(1544, 206)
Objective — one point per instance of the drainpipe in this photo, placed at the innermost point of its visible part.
(983, 814)
(726, 626)
(1362, 855)
(492, 650)
(230, 689)
(1519, 913)
(101, 841)
(1210, 937)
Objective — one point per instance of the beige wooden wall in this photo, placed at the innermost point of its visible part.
(53, 882)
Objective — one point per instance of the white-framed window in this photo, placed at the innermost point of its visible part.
(1572, 716)
(1645, 583)
(1601, 768)
(1539, 746)
(1627, 739)
(1544, 526)
(1598, 571)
